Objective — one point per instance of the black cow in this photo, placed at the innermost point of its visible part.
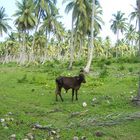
(67, 83)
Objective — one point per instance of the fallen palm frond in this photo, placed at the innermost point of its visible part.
(109, 120)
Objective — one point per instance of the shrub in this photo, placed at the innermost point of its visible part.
(23, 79)
(121, 67)
(103, 73)
(134, 59)
(79, 63)
(108, 62)
(130, 69)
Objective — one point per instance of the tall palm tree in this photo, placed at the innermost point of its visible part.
(118, 25)
(107, 46)
(138, 5)
(136, 100)
(3, 21)
(43, 8)
(86, 69)
(74, 6)
(51, 25)
(25, 21)
(93, 28)
(134, 16)
(81, 10)
(131, 35)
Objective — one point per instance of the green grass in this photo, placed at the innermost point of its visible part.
(29, 93)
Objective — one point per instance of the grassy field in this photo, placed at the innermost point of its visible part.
(27, 100)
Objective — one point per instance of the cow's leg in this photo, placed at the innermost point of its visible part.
(76, 92)
(61, 97)
(60, 94)
(72, 94)
(56, 92)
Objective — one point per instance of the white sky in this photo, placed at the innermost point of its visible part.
(109, 7)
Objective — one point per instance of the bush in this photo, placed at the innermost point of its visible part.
(108, 62)
(128, 60)
(121, 67)
(103, 73)
(79, 63)
(23, 79)
(130, 69)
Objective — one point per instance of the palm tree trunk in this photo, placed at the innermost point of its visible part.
(117, 43)
(138, 3)
(80, 50)
(87, 68)
(71, 48)
(136, 100)
(22, 50)
(33, 44)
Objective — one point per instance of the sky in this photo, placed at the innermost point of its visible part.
(109, 7)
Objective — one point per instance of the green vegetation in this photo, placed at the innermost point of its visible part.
(41, 49)
(27, 98)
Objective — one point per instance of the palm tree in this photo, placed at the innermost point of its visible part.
(134, 16)
(131, 35)
(72, 5)
(93, 29)
(3, 21)
(50, 25)
(136, 100)
(138, 4)
(107, 46)
(25, 21)
(81, 10)
(118, 25)
(43, 8)
(86, 69)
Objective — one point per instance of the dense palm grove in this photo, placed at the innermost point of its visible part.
(40, 36)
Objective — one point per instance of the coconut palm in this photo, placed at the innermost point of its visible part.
(81, 10)
(107, 46)
(136, 99)
(134, 16)
(73, 5)
(25, 21)
(86, 69)
(43, 8)
(118, 25)
(94, 27)
(138, 5)
(3, 21)
(50, 25)
(131, 35)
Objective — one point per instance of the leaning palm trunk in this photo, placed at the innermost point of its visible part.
(136, 100)
(71, 48)
(138, 3)
(86, 69)
(31, 57)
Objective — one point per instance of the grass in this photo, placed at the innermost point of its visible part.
(28, 93)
